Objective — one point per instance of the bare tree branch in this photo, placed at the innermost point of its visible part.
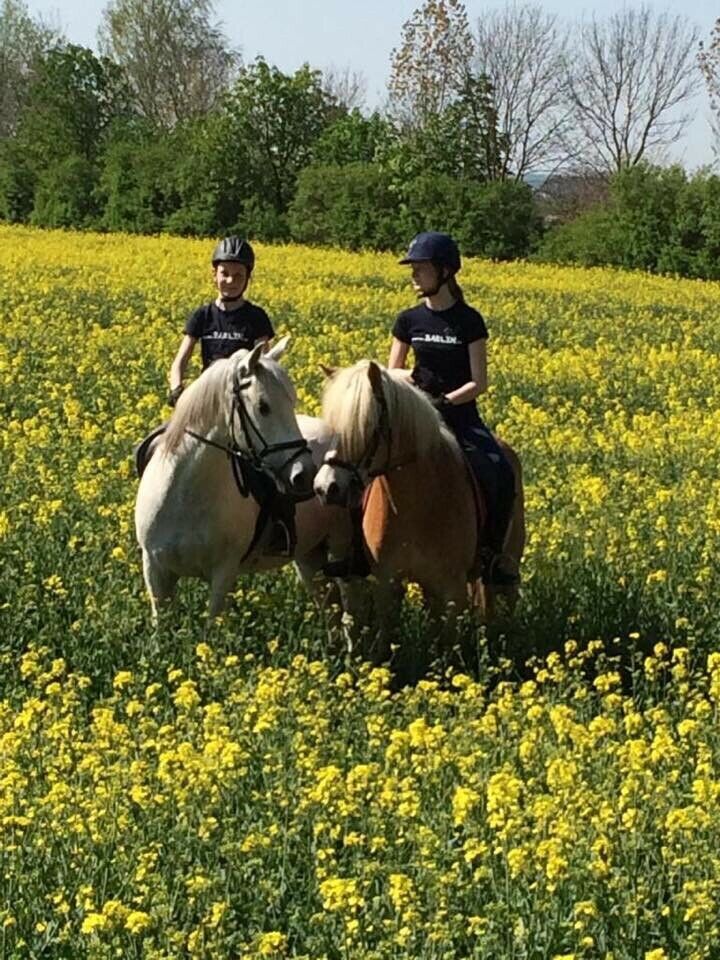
(627, 77)
(347, 87)
(709, 63)
(521, 49)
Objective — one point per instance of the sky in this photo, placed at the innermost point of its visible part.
(362, 34)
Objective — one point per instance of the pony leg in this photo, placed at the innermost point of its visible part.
(356, 598)
(221, 586)
(160, 586)
(325, 594)
(444, 604)
(388, 600)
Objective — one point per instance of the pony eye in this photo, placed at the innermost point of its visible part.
(264, 407)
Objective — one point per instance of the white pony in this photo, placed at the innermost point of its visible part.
(194, 514)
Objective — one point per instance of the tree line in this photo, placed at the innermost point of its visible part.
(165, 128)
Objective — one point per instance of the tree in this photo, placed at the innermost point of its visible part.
(709, 62)
(22, 40)
(346, 87)
(521, 50)
(354, 138)
(50, 167)
(627, 77)
(461, 141)
(272, 121)
(73, 100)
(431, 63)
(177, 60)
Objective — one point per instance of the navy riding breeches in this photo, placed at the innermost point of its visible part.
(491, 468)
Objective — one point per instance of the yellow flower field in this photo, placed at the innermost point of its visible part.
(247, 793)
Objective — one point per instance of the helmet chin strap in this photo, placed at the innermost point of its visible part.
(441, 281)
(239, 296)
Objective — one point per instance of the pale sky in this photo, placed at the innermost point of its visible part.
(362, 35)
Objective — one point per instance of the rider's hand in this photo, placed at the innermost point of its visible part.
(427, 381)
(174, 395)
(441, 403)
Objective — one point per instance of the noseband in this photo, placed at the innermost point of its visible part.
(248, 452)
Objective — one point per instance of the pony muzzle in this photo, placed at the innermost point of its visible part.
(295, 478)
(338, 487)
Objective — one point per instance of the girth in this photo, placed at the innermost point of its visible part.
(255, 482)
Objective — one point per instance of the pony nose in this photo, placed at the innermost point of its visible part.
(300, 478)
(332, 493)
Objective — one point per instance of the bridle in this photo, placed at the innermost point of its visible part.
(248, 453)
(360, 469)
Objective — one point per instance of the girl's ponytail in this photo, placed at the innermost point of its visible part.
(455, 289)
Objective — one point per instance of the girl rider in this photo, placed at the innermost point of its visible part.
(223, 326)
(228, 323)
(449, 341)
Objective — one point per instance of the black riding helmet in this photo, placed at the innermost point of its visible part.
(439, 248)
(234, 250)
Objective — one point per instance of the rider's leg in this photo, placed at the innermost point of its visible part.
(497, 482)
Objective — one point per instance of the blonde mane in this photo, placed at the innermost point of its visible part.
(352, 413)
(206, 402)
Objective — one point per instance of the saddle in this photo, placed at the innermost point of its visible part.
(145, 449)
(276, 511)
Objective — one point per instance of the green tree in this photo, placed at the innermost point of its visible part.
(22, 40)
(354, 138)
(271, 122)
(137, 182)
(461, 141)
(352, 205)
(73, 102)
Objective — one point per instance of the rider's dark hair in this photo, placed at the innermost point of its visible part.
(455, 289)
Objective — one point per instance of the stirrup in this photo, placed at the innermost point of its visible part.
(278, 543)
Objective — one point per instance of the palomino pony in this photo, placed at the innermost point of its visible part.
(419, 518)
(196, 514)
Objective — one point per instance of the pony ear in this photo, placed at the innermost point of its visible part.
(375, 375)
(328, 371)
(252, 360)
(274, 353)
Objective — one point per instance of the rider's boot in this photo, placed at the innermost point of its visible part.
(495, 569)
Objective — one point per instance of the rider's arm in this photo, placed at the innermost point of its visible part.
(477, 351)
(398, 355)
(177, 370)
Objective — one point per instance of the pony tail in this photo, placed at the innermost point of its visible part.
(455, 289)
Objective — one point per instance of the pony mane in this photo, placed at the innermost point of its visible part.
(352, 412)
(205, 403)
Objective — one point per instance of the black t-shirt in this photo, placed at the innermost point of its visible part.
(222, 332)
(440, 341)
